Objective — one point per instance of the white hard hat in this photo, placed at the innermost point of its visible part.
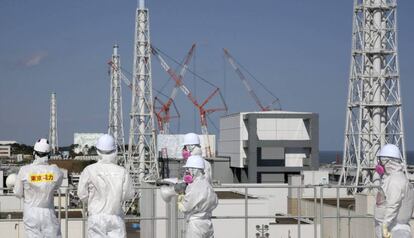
(11, 180)
(191, 139)
(106, 144)
(42, 146)
(391, 151)
(194, 161)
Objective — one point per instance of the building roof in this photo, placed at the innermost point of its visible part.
(266, 112)
(7, 142)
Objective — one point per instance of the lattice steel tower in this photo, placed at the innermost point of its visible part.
(116, 128)
(374, 110)
(53, 138)
(142, 162)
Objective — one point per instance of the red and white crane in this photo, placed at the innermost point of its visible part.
(203, 112)
(163, 114)
(164, 110)
(247, 85)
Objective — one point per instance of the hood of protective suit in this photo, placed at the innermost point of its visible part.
(40, 160)
(197, 151)
(392, 166)
(108, 158)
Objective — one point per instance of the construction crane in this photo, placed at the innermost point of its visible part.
(163, 114)
(200, 106)
(248, 87)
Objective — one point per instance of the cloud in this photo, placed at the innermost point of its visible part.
(33, 59)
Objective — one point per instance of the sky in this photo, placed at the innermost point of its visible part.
(299, 49)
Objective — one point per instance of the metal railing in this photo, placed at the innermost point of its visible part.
(315, 216)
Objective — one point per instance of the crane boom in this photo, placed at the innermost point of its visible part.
(245, 82)
(163, 115)
(202, 111)
(178, 82)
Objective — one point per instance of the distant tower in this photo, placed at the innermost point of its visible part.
(374, 110)
(53, 138)
(116, 128)
(142, 162)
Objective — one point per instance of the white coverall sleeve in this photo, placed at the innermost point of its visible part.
(394, 195)
(18, 186)
(191, 199)
(207, 172)
(83, 186)
(127, 189)
(59, 178)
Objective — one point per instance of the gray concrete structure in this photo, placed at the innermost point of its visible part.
(275, 144)
(220, 167)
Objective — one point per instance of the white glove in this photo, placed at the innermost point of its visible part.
(180, 202)
(385, 232)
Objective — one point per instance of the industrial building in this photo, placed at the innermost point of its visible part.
(5, 150)
(83, 141)
(269, 146)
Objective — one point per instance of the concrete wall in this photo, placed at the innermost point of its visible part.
(279, 126)
(229, 144)
(10, 203)
(291, 231)
(269, 145)
(261, 202)
(171, 146)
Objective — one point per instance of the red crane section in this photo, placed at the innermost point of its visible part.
(201, 107)
(163, 114)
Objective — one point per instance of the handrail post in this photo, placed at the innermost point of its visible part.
(299, 197)
(321, 211)
(246, 213)
(338, 227)
(66, 213)
(315, 204)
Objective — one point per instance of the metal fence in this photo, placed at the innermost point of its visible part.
(313, 197)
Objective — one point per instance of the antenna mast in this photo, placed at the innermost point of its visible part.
(374, 110)
(116, 128)
(142, 162)
(53, 138)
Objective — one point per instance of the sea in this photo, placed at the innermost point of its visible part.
(327, 157)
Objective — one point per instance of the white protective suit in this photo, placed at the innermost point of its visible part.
(207, 166)
(394, 202)
(105, 186)
(199, 202)
(36, 184)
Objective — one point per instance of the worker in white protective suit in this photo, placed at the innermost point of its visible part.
(36, 184)
(105, 186)
(198, 202)
(395, 198)
(192, 146)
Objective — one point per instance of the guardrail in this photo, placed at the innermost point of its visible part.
(317, 216)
